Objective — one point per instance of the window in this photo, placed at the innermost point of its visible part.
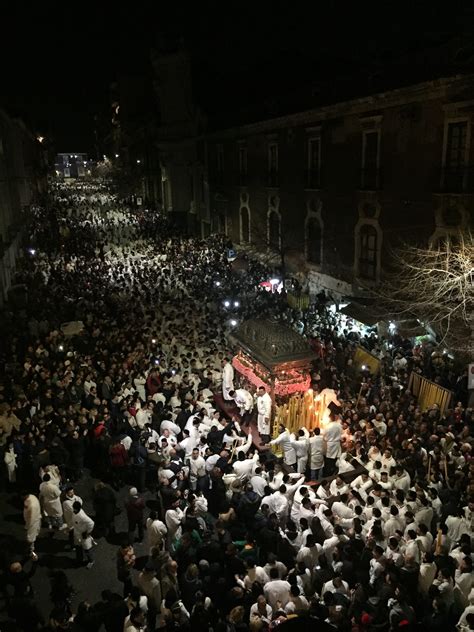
(367, 252)
(314, 157)
(191, 186)
(456, 145)
(274, 230)
(203, 188)
(370, 159)
(455, 156)
(242, 164)
(313, 240)
(244, 225)
(273, 165)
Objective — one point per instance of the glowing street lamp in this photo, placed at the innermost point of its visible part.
(226, 303)
(236, 304)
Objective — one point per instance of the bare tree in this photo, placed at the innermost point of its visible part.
(436, 286)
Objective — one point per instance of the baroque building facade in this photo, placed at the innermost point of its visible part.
(334, 189)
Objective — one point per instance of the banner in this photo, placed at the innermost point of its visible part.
(298, 301)
(429, 393)
(363, 360)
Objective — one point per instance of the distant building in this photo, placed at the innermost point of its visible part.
(71, 165)
(23, 179)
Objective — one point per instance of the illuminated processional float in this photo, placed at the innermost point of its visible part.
(273, 355)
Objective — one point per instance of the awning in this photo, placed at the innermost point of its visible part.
(410, 328)
(362, 313)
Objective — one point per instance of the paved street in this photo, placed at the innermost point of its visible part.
(55, 553)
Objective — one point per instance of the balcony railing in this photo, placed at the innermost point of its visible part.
(312, 179)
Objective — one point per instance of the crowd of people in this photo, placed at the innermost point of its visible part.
(363, 524)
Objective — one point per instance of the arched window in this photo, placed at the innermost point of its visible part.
(313, 240)
(274, 230)
(367, 252)
(244, 225)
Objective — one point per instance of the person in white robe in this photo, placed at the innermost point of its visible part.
(332, 439)
(11, 464)
(301, 447)
(156, 532)
(68, 512)
(83, 527)
(264, 413)
(316, 451)
(284, 440)
(50, 498)
(32, 518)
(244, 401)
(227, 379)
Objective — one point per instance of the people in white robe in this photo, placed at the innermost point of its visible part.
(156, 532)
(332, 440)
(32, 518)
(316, 460)
(50, 499)
(301, 447)
(264, 413)
(284, 440)
(83, 526)
(227, 379)
(70, 498)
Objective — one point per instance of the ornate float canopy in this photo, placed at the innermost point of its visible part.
(273, 344)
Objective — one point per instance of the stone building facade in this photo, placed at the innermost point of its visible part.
(334, 189)
(22, 180)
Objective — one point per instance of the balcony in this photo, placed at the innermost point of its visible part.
(312, 179)
(370, 179)
(457, 180)
(272, 179)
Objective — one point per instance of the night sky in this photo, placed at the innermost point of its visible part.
(58, 63)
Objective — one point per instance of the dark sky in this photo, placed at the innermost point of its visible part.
(58, 60)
